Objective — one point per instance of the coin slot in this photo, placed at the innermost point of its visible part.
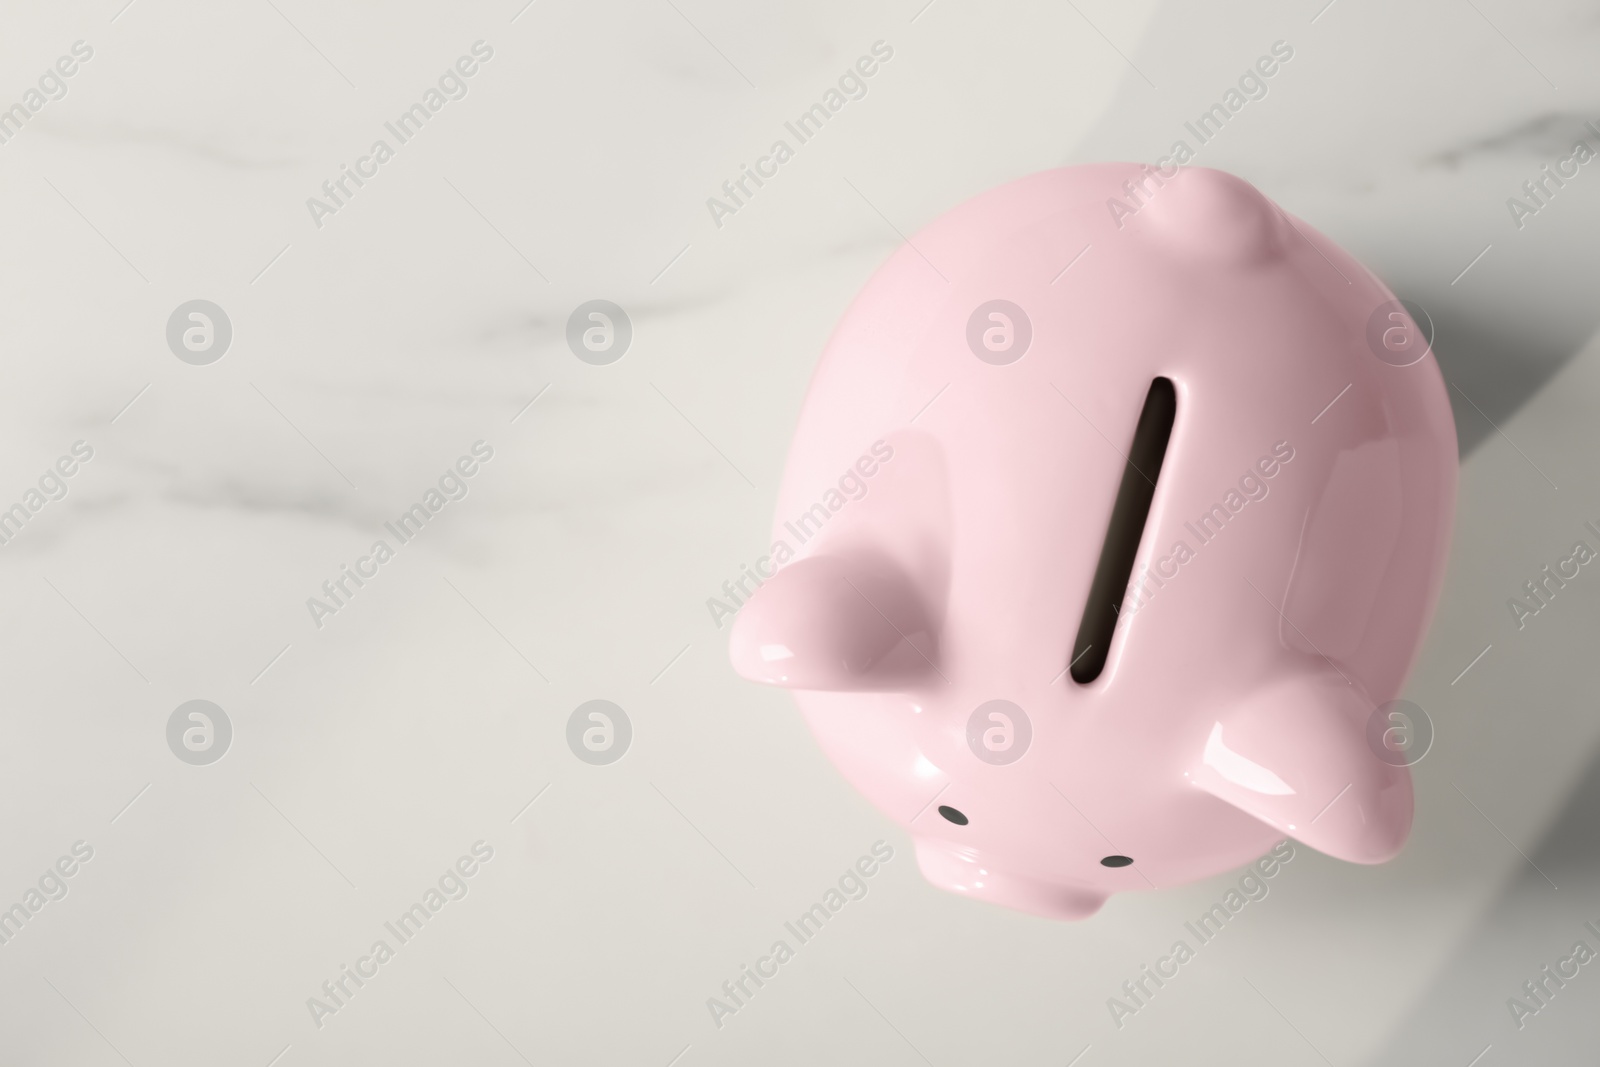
(1126, 529)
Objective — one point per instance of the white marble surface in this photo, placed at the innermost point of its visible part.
(369, 353)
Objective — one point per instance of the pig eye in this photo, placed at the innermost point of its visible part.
(956, 817)
(1116, 861)
(1126, 529)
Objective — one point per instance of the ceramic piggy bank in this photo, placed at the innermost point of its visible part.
(1115, 514)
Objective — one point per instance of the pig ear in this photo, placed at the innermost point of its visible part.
(1295, 756)
(840, 623)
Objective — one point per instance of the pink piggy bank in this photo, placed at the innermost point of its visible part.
(1115, 514)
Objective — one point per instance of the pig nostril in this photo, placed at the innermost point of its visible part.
(956, 817)
(1116, 861)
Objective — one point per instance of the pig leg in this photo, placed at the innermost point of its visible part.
(1296, 756)
(837, 623)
